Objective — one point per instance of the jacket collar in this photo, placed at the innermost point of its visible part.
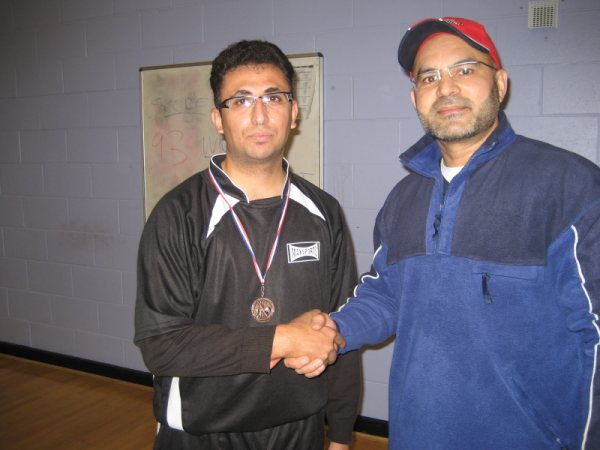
(424, 156)
(229, 186)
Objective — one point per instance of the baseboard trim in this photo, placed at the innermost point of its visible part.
(368, 425)
(81, 364)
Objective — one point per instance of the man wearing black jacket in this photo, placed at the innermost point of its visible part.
(228, 262)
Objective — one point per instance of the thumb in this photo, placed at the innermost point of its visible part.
(318, 321)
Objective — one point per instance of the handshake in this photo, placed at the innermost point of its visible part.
(307, 344)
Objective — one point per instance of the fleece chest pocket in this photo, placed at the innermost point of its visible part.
(507, 284)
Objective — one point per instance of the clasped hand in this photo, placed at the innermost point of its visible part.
(307, 344)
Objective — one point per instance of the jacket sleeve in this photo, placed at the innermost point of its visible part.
(587, 230)
(370, 315)
(344, 377)
(171, 342)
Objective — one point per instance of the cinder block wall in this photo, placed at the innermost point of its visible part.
(71, 208)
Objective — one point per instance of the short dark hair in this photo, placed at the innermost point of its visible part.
(248, 53)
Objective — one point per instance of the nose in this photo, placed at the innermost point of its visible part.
(447, 85)
(259, 112)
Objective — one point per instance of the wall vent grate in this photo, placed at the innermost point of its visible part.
(543, 14)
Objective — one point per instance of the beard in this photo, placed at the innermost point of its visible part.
(446, 130)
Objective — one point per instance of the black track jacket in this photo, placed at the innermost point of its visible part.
(196, 283)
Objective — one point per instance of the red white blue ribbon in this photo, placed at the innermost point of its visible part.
(240, 226)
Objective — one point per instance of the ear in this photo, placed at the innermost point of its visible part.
(215, 115)
(412, 97)
(502, 83)
(294, 114)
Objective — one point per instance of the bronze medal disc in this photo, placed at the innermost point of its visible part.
(262, 309)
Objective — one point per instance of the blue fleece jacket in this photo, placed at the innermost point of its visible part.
(492, 289)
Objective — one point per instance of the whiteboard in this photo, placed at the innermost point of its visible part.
(178, 135)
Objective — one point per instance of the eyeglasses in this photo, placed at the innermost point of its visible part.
(461, 71)
(272, 100)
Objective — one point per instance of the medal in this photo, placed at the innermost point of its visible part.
(263, 308)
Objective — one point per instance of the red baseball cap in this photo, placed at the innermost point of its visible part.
(473, 33)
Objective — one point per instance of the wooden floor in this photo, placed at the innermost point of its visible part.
(48, 407)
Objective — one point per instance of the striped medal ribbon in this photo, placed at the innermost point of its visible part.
(263, 308)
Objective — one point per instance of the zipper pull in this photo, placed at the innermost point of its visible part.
(485, 287)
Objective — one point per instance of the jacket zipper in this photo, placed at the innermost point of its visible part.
(485, 287)
(437, 221)
(437, 224)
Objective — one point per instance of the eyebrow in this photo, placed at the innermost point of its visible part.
(245, 92)
(429, 69)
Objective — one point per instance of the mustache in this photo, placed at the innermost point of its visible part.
(451, 101)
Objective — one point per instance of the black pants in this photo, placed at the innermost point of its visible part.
(306, 434)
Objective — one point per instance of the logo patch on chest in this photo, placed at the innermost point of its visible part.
(303, 252)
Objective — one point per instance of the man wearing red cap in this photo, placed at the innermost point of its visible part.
(487, 267)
